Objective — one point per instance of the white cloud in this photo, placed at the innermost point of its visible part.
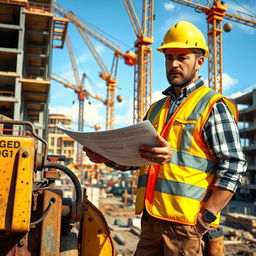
(246, 89)
(99, 48)
(93, 113)
(188, 16)
(169, 6)
(157, 95)
(127, 117)
(68, 111)
(235, 95)
(83, 58)
(228, 81)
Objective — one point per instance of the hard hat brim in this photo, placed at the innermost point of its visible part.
(183, 46)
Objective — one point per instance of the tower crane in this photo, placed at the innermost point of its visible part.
(79, 85)
(215, 15)
(79, 89)
(143, 68)
(68, 84)
(109, 77)
(82, 94)
(85, 29)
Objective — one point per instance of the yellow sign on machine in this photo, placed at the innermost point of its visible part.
(16, 172)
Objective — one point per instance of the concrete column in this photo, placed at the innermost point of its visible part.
(49, 52)
(254, 97)
(19, 65)
(40, 130)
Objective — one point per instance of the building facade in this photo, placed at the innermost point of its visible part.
(247, 127)
(27, 32)
(58, 142)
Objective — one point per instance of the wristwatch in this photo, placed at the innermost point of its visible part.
(208, 216)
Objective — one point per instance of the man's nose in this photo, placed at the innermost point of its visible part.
(174, 64)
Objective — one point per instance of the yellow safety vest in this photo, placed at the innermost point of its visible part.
(176, 191)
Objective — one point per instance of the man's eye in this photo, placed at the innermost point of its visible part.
(168, 59)
(182, 58)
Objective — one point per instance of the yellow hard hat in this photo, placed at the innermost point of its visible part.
(184, 35)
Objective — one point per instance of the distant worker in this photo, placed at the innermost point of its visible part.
(199, 163)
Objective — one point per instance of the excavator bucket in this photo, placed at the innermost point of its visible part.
(94, 234)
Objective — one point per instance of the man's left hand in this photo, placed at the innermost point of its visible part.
(202, 226)
(157, 155)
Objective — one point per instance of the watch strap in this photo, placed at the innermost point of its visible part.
(208, 216)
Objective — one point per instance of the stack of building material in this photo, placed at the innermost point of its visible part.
(247, 222)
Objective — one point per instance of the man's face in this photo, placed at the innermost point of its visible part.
(181, 66)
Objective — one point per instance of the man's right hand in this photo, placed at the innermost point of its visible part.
(96, 158)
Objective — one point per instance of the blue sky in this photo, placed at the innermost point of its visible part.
(239, 55)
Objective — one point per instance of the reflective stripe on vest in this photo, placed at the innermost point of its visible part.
(177, 190)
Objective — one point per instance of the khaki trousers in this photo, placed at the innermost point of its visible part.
(166, 238)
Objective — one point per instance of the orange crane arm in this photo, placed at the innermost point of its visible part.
(63, 81)
(147, 20)
(92, 49)
(249, 20)
(72, 59)
(133, 17)
(88, 28)
(66, 83)
(144, 33)
(192, 3)
(129, 57)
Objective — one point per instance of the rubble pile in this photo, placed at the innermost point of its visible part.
(246, 222)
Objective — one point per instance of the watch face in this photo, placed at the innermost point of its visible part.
(209, 216)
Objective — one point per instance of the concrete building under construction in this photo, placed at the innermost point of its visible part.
(58, 142)
(247, 127)
(26, 36)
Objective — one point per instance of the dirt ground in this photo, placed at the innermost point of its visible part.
(119, 216)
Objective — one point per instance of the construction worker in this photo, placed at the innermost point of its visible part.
(199, 163)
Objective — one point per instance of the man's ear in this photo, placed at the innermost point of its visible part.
(199, 62)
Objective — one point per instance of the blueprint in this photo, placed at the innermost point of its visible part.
(118, 145)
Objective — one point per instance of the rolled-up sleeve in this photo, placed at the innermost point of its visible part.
(222, 137)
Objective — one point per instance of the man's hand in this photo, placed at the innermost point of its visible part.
(158, 155)
(202, 226)
(96, 158)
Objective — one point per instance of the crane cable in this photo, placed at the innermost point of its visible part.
(108, 35)
(244, 7)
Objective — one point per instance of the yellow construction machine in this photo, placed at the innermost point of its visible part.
(35, 219)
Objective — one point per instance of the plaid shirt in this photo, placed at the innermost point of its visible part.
(220, 133)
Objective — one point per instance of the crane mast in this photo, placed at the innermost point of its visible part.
(214, 21)
(143, 68)
(215, 15)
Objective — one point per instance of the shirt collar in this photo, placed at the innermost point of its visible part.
(184, 91)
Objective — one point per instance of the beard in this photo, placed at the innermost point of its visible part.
(183, 80)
